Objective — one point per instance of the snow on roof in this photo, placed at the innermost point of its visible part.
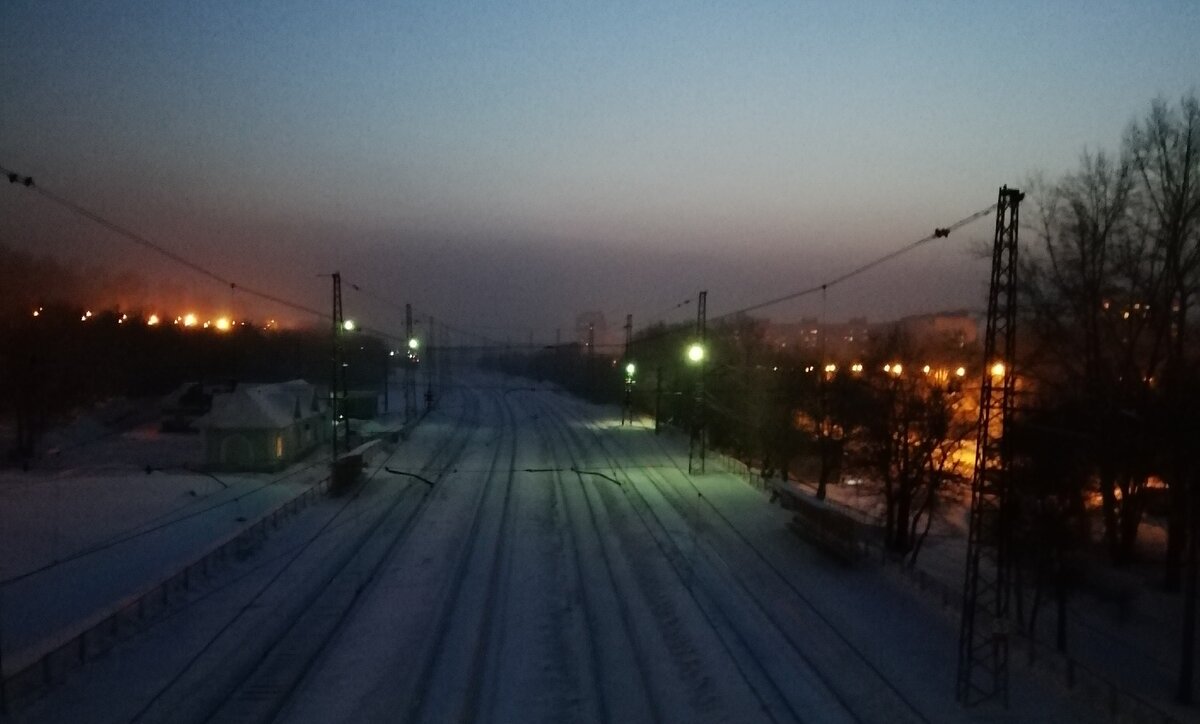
(256, 407)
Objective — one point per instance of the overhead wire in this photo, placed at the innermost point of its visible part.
(939, 233)
(28, 182)
(162, 250)
(154, 246)
(823, 287)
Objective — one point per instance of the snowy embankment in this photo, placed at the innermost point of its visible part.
(96, 530)
(1123, 630)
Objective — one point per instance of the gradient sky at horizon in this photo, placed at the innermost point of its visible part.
(513, 163)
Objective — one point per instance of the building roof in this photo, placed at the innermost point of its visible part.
(262, 407)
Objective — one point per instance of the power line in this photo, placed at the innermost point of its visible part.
(154, 246)
(938, 233)
(862, 269)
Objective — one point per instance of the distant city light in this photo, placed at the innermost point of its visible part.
(223, 324)
(414, 344)
(152, 320)
(925, 369)
(961, 371)
(189, 320)
(998, 369)
(856, 367)
(897, 369)
(831, 368)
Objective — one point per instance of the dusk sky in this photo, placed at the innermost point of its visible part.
(510, 164)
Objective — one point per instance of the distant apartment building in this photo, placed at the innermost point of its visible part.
(957, 329)
(851, 340)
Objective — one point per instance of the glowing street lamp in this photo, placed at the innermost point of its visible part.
(348, 325)
(998, 369)
(695, 353)
(414, 344)
(630, 369)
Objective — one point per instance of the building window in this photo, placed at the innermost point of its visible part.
(279, 446)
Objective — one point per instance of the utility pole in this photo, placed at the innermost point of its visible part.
(410, 364)
(657, 398)
(983, 635)
(630, 370)
(387, 373)
(697, 442)
(337, 380)
(429, 368)
(628, 334)
(447, 376)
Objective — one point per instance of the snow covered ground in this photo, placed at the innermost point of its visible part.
(1132, 645)
(80, 539)
(559, 567)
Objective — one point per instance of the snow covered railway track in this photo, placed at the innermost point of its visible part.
(696, 664)
(615, 665)
(464, 623)
(253, 679)
(753, 605)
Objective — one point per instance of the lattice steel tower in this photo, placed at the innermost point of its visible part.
(410, 367)
(337, 380)
(627, 394)
(983, 636)
(696, 443)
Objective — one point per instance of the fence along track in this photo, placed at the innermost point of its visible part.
(118, 622)
(193, 695)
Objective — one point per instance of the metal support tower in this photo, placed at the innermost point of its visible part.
(983, 635)
(410, 368)
(446, 369)
(429, 367)
(337, 380)
(627, 397)
(696, 443)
